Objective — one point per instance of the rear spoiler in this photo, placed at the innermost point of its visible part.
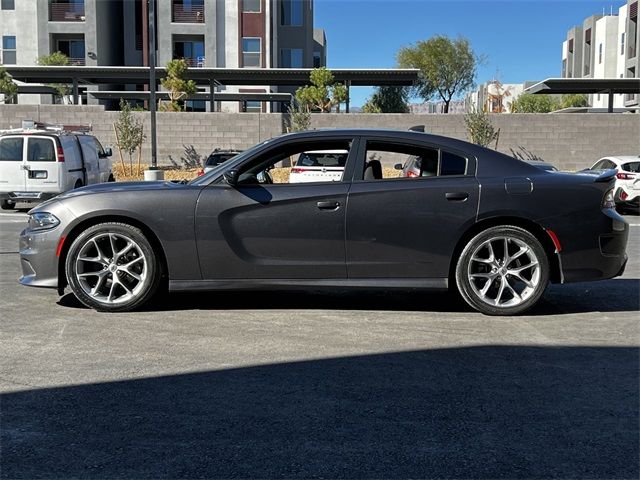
(606, 176)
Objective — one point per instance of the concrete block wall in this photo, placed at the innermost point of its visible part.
(569, 141)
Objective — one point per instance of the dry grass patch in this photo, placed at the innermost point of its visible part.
(170, 172)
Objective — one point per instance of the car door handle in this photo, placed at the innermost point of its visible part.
(456, 196)
(328, 205)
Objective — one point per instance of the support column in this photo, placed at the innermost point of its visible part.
(348, 85)
(610, 107)
(75, 91)
(212, 90)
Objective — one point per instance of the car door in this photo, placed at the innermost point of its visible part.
(90, 156)
(407, 226)
(12, 168)
(42, 170)
(273, 230)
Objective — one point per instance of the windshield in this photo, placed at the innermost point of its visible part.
(206, 178)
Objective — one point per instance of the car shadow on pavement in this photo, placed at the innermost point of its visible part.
(474, 412)
(618, 295)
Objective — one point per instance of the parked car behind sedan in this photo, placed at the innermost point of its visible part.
(216, 158)
(319, 166)
(627, 189)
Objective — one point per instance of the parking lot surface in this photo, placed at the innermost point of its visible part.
(291, 385)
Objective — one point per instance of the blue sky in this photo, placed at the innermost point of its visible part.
(521, 39)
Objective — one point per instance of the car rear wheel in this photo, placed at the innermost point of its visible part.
(111, 267)
(503, 270)
(7, 205)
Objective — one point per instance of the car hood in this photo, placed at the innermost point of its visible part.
(119, 187)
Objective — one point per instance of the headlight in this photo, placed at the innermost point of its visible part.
(609, 200)
(42, 221)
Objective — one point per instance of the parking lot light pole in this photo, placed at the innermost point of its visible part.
(153, 173)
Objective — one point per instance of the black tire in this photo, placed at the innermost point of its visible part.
(135, 293)
(496, 277)
(111, 178)
(78, 184)
(7, 205)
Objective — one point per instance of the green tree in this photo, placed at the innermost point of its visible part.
(447, 67)
(387, 100)
(178, 87)
(7, 87)
(530, 103)
(298, 118)
(56, 59)
(128, 131)
(480, 129)
(574, 100)
(323, 93)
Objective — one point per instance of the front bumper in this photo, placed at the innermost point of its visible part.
(38, 258)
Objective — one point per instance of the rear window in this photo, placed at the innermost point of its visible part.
(631, 167)
(11, 149)
(40, 150)
(312, 159)
(218, 159)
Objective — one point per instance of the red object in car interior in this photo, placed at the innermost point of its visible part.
(200, 172)
(298, 170)
(411, 174)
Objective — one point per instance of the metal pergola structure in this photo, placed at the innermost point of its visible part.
(211, 77)
(607, 86)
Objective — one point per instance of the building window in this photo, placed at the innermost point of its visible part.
(251, 52)
(291, 58)
(317, 60)
(72, 48)
(9, 50)
(599, 54)
(291, 13)
(252, 106)
(622, 43)
(191, 51)
(8, 5)
(251, 6)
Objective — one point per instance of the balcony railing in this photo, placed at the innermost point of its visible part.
(66, 12)
(77, 62)
(194, 62)
(188, 13)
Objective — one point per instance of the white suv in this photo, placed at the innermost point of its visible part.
(39, 163)
(319, 166)
(627, 189)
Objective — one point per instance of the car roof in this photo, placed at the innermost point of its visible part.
(622, 158)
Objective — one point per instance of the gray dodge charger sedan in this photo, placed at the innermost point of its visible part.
(495, 228)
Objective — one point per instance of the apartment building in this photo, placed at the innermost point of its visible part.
(605, 46)
(206, 33)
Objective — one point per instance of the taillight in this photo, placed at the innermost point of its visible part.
(200, 172)
(411, 173)
(298, 170)
(608, 200)
(625, 176)
(60, 155)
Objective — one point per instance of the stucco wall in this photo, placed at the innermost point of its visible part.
(570, 141)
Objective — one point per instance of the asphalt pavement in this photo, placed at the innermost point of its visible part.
(319, 385)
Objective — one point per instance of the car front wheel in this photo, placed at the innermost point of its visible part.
(503, 270)
(111, 267)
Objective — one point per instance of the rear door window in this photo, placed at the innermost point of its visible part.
(41, 150)
(633, 167)
(452, 164)
(11, 149)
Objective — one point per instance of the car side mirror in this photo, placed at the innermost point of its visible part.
(107, 153)
(398, 166)
(231, 177)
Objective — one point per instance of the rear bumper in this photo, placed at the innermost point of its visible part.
(596, 251)
(28, 197)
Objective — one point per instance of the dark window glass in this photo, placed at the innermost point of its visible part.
(8, 5)
(249, 6)
(40, 150)
(9, 43)
(631, 167)
(452, 164)
(291, 13)
(11, 149)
